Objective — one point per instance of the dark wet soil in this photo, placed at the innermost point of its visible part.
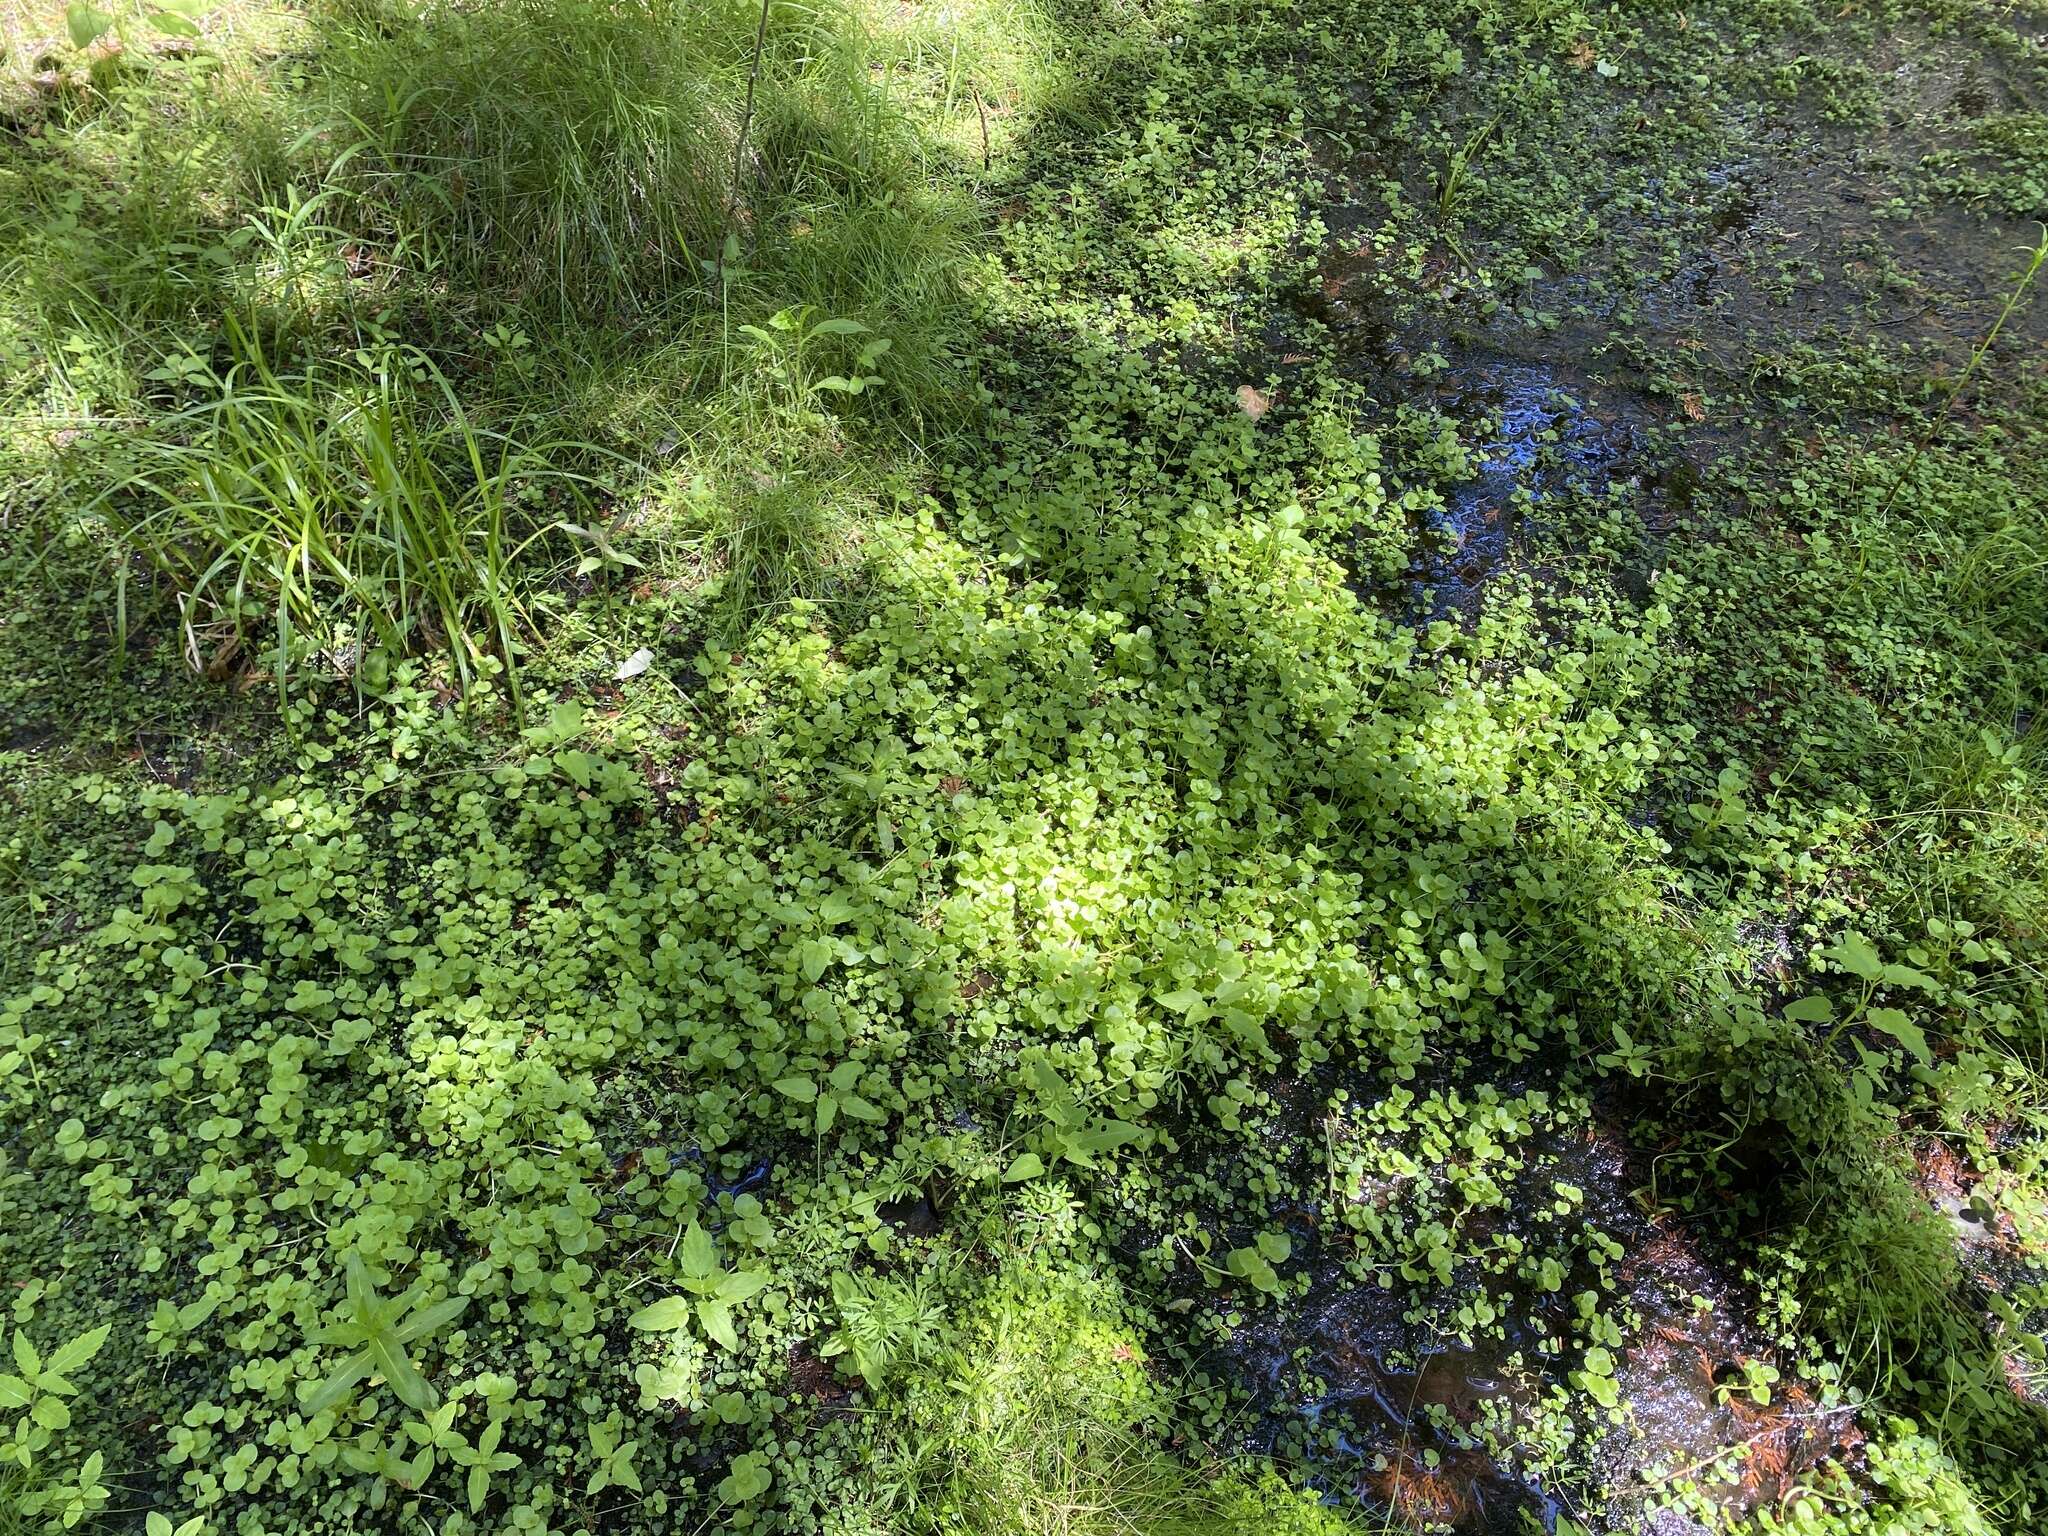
(1398, 1405)
(1701, 326)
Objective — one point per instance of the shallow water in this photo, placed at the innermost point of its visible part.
(1394, 1409)
(1543, 439)
(1683, 337)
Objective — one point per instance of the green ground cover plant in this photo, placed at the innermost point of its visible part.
(1167, 768)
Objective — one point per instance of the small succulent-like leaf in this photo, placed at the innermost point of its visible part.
(1276, 1246)
(1250, 1264)
(748, 1479)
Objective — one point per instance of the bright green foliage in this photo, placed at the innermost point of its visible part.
(376, 1331)
(38, 1392)
(36, 1398)
(993, 887)
(711, 1293)
(888, 1327)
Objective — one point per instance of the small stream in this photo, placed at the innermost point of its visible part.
(1543, 440)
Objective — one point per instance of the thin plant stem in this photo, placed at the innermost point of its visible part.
(739, 148)
(2012, 302)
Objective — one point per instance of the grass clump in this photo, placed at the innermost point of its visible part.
(579, 155)
(620, 164)
(1042, 1418)
(347, 513)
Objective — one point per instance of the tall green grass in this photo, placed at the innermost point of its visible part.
(352, 508)
(571, 152)
(585, 157)
(573, 171)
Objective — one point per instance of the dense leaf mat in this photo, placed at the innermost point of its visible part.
(1182, 768)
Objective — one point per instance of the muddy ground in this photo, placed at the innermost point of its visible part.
(1682, 337)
